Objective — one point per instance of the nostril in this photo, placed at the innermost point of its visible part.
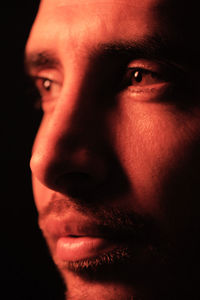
(78, 177)
(76, 184)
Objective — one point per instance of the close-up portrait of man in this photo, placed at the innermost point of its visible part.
(116, 159)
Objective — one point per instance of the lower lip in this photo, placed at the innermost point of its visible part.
(77, 248)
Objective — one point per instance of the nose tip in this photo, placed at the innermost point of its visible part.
(74, 174)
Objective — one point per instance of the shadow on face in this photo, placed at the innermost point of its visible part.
(86, 127)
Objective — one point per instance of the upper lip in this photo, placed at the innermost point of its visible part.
(73, 224)
(78, 225)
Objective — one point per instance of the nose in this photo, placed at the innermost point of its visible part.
(69, 154)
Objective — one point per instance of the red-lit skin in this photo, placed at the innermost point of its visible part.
(152, 140)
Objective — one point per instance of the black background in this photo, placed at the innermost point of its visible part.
(27, 271)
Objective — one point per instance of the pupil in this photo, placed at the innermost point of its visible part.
(47, 84)
(138, 76)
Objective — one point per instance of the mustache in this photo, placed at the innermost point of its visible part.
(116, 223)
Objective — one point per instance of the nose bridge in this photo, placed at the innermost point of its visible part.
(75, 118)
(69, 138)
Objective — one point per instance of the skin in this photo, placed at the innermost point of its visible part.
(141, 142)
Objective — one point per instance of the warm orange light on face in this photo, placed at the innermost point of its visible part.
(119, 136)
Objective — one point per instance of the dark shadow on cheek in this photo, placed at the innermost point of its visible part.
(181, 195)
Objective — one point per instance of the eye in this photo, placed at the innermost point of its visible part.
(148, 81)
(48, 89)
(138, 77)
(44, 85)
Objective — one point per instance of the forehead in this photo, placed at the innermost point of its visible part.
(76, 11)
(83, 21)
(78, 26)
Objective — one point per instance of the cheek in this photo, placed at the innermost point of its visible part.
(152, 145)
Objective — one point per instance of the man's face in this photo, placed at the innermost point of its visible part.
(116, 158)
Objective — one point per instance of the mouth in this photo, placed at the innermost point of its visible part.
(74, 248)
(76, 238)
(77, 241)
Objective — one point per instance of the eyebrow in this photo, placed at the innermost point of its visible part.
(155, 47)
(41, 59)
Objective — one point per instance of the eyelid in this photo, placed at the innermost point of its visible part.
(46, 97)
(158, 79)
(39, 78)
(50, 74)
(35, 78)
(166, 70)
(145, 64)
